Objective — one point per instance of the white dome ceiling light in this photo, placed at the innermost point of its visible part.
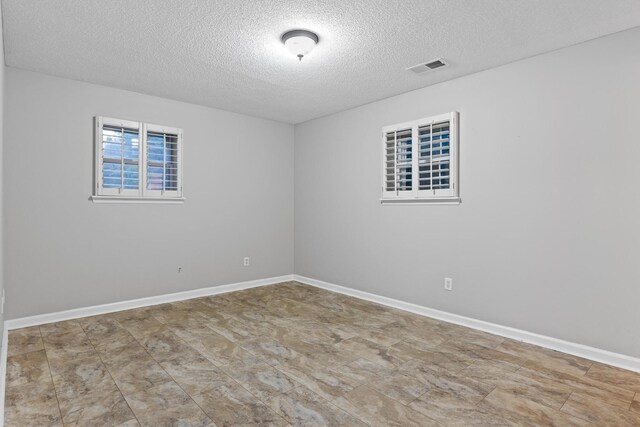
(300, 42)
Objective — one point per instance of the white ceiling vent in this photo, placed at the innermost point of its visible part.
(428, 66)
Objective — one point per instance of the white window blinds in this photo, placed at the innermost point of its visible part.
(434, 156)
(162, 165)
(137, 160)
(120, 158)
(420, 160)
(398, 161)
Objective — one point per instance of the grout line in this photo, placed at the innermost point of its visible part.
(55, 391)
(579, 416)
(109, 372)
(565, 402)
(588, 369)
(487, 395)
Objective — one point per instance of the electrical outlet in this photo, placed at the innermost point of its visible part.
(448, 283)
(179, 269)
(246, 261)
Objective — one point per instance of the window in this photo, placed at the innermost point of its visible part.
(420, 161)
(137, 162)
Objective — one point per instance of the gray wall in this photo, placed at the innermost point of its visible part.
(1, 169)
(547, 238)
(63, 251)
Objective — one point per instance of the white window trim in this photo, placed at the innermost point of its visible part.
(142, 194)
(449, 196)
(130, 199)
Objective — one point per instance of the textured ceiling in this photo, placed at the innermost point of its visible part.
(227, 54)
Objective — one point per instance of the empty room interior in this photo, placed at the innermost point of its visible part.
(320, 213)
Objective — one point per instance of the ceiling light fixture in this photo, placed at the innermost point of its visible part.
(300, 42)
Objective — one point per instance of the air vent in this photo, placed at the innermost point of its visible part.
(427, 66)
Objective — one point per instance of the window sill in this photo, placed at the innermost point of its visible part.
(130, 199)
(423, 201)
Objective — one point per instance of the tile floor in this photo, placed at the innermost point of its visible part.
(290, 354)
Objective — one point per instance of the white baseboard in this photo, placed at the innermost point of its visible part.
(76, 313)
(580, 350)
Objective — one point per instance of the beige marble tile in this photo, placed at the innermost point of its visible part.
(129, 423)
(270, 350)
(61, 329)
(403, 388)
(298, 291)
(133, 369)
(302, 407)
(65, 342)
(193, 372)
(260, 378)
(327, 382)
(105, 406)
(291, 337)
(526, 412)
(82, 372)
(579, 383)
(472, 336)
(362, 371)
(361, 319)
(441, 361)
(117, 356)
(495, 367)
(599, 412)
(166, 405)
(163, 343)
(232, 405)
(330, 355)
(66, 353)
(231, 329)
(450, 410)
(254, 318)
(217, 302)
(316, 332)
(475, 352)
(330, 302)
(460, 385)
(635, 405)
(413, 321)
(138, 375)
(537, 389)
(138, 322)
(170, 313)
(214, 346)
(27, 367)
(24, 340)
(611, 375)
(428, 335)
(549, 358)
(373, 352)
(105, 333)
(376, 409)
(32, 404)
(381, 336)
(86, 392)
